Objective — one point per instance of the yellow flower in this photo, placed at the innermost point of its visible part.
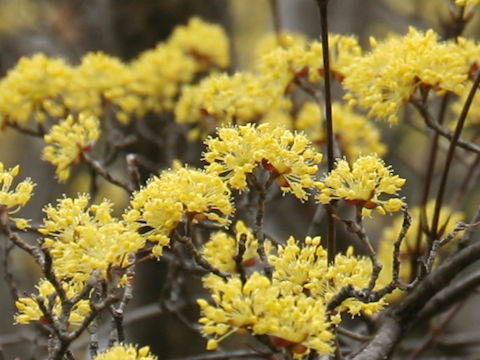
(177, 193)
(101, 81)
(408, 249)
(12, 201)
(206, 43)
(237, 151)
(220, 250)
(68, 140)
(159, 74)
(291, 308)
(126, 352)
(294, 60)
(34, 89)
(355, 134)
(362, 185)
(222, 99)
(386, 78)
(29, 310)
(83, 239)
(466, 2)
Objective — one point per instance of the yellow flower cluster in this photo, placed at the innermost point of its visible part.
(39, 87)
(177, 193)
(472, 50)
(191, 49)
(83, 239)
(220, 250)
(207, 43)
(447, 221)
(68, 140)
(466, 2)
(222, 99)
(291, 308)
(355, 134)
(295, 60)
(362, 185)
(29, 310)
(13, 200)
(126, 352)
(237, 151)
(101, 81)
(386, 78)
(34, 89)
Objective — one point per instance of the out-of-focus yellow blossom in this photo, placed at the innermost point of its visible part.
(83, 239)
(362, 185)
(282, 65)
(29, 310)
(177, 193)
(290, 307)
(355, 134)
(68, 140)
(237, 151)
(220, 250)
(472, 50)
(100, 81)
(386, 78)
(126, 352)
(408, 248)
(206, 43)
(223, 100)
(284, 39)
(466, 2)
(159, 74)
(34, 89)
(13, 200)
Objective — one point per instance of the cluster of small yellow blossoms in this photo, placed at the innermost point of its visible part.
(83, 239)
(29, 309)
(295, 60)
(386, 78)
(39, 87)
(362, 184)
(175, 194)
(68, 140)
(101, 81)
(221, 249)
(12, 201)
(472, 50)
(415, 243)
(355, 134)
(291, 307)
(159, 73)
(34, 88)
(466, 2)
(222, 99)
(126, 352)
(207, 43)
(237, 151)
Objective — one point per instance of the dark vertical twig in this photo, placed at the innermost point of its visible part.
(323, 7)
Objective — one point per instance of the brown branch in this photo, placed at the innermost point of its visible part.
(400, 318)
